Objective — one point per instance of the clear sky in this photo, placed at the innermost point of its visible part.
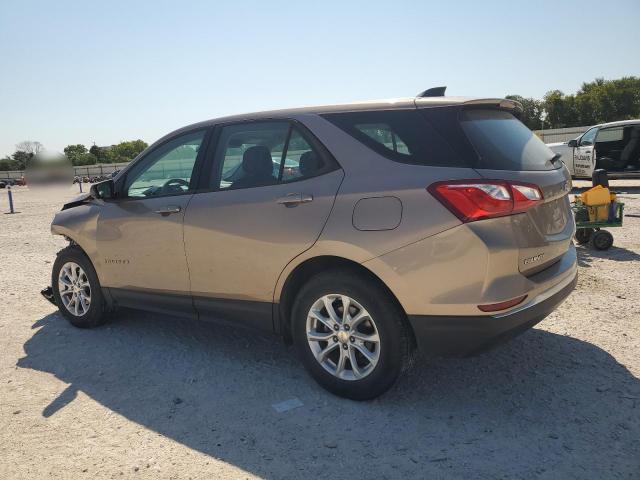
(89, 71)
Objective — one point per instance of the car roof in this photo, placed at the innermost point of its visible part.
(619, 123)
(403, 103)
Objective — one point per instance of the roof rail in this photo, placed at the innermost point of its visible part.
(433, 92)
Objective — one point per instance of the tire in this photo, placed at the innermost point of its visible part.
(95, 311)
(600, 177)
(601, 240)
(391, 354)
(583, 235)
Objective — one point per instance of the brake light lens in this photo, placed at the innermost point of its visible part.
(472, 200)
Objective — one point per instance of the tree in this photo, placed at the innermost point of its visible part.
(599, 101)
(7, 163)
(30, 147)
(100, 153)
(531, 111)
(84, 159)
(560, 109)
(127, 150)
(74, 152)
(22, 159)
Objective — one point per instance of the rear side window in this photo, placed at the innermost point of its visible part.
(610, 135)
(503, 142)
(255, 154)
(400, 135)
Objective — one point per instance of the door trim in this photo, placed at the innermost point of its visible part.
(248, 313)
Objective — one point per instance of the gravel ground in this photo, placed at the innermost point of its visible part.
(151, 396)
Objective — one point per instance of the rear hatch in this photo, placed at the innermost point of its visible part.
(504, 149)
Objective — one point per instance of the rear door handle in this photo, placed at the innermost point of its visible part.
(295, 199)
(168, 210)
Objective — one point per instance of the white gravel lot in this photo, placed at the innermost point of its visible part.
(150, 396)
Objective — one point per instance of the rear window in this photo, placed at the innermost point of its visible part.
(400, 135)
(503, 142)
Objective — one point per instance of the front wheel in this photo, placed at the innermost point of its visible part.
(350, 334)
(76, 289)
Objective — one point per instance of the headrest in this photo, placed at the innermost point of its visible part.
(309, 163)
(256, 161)
(635, 132)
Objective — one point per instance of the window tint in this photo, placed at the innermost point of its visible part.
(301, 160)
(166, 170)
(504, 142)
(249, 154)
(384, 135)
(588, 138)
(610, 134)
(264, 153)
(400, 135)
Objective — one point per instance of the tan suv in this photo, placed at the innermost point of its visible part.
(358, 232)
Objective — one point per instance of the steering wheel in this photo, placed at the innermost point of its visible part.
(173, 185)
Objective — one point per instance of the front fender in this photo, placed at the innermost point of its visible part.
(79, 224)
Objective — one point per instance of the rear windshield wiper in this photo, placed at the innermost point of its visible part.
(555, 158)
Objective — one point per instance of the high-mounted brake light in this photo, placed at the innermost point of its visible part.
(472, 200)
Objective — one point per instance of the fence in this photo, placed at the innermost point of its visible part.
(83, 171)
(560, 134)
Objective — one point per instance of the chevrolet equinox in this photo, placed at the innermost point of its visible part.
(357, 232)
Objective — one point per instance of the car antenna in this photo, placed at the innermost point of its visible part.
(433, 92)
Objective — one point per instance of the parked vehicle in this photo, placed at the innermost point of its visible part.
(614, 147)
(434, 222)
(3, 184)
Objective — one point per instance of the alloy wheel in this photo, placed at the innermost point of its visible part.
(343, 337)
(74, 289)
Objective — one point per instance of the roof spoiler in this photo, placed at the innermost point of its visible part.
(497, 102)
(433, 92)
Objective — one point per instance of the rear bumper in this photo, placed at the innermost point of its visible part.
(467, 335)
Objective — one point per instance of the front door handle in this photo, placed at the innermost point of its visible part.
(295, 199)
(168, 210)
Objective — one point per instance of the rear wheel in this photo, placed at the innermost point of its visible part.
(350, 334)
(602, 240)
(583, 235)
(76, 289)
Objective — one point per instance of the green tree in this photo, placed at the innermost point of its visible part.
(7, 163)
(22, 159)
(560, 111)
(127, 150)
(100, 153)
(531, 114)
(74, 152)
(84, 159)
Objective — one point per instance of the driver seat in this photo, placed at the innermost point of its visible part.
(631, 152)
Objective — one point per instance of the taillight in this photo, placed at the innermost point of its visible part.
(472, 200)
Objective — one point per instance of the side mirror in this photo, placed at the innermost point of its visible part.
(572, 143)
(103, 190)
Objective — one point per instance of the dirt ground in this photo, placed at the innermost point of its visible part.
(150, 396)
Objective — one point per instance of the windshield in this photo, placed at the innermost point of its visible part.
(503, 142)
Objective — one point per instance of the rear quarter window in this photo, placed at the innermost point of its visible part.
(400, 135)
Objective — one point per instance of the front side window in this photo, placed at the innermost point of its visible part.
(258, 154)
(166, 170)
(588, 138)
